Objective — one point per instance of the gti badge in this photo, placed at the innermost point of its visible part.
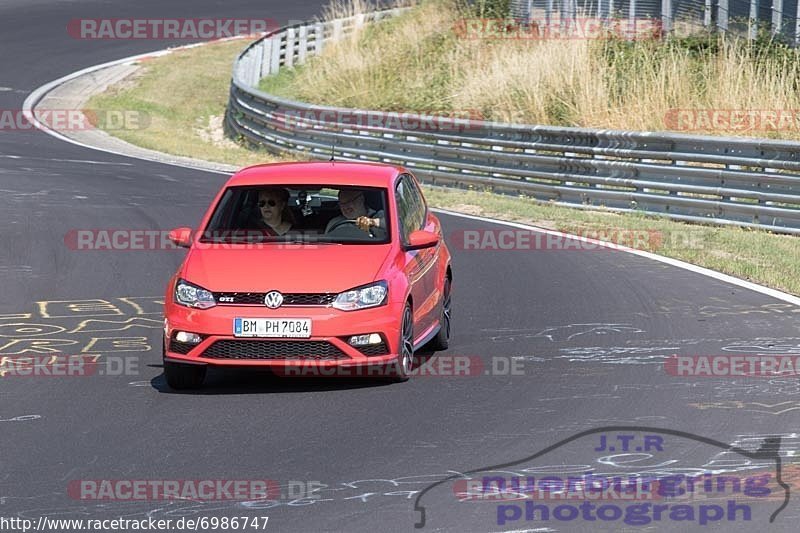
(273, 299)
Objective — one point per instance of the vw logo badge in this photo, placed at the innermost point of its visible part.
(273, 299)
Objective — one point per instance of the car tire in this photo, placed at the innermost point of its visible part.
(181, 376)
(442, 339)
(400, 370)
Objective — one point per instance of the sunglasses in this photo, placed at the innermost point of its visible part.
(271, 203)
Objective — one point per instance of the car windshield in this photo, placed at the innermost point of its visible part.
(300, 214)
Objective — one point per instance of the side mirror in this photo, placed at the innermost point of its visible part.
(421, 239)
(181, 237)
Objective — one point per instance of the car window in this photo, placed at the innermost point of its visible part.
(419, 202)
(222, 216)
(311, 214)
(410, 208)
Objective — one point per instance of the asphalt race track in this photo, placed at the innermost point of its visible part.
(586, 332)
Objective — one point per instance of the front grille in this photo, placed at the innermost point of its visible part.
(292, 298)
(374, 349)
(274, 350)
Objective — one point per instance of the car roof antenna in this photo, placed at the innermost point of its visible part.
(333, 153)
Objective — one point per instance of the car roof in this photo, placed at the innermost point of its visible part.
(318, 173)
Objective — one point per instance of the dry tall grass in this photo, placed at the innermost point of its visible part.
(418, 62)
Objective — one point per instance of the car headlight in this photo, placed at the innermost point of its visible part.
(371, 295)
(193, 296)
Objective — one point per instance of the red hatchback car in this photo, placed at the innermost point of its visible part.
(326, 266)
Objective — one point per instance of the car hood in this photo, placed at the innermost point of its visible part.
(285, 268)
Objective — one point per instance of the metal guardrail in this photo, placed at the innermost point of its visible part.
(721, 180)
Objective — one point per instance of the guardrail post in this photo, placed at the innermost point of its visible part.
(777, 16)
(275, 59)
(319, 37)
(266, 55)
(753, 20)
(254, 73)
(239, 69)
(302, 44)
(797, 26)
(288, 58)
(722, 15)
(245, 74)
(337, 29)
(707, 14)
(666, 15)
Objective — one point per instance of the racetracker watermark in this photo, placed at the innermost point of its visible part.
(580, 28)
(435, 121)
(440, 366)
(208, 29)
(83, 365)
(186, 489)
(728, 365)
(118, 239)
(158, 239)
(732, 119)
(75, 119)
(584, 240)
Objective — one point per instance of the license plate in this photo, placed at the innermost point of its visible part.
(272, 327)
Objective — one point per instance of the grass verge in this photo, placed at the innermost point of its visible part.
(453, 58)
(178, 116)
(184, 95)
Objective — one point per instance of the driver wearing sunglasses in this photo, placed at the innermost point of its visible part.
(273, 205)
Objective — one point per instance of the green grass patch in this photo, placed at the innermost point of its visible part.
(184, 94)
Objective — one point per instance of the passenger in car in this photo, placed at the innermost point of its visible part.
(275, 216)
(354, 209)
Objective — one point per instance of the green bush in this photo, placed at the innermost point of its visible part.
(494, 9)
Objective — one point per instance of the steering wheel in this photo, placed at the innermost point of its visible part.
(344, 223)
(341, 223)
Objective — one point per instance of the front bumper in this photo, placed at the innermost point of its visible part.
(328, 326)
